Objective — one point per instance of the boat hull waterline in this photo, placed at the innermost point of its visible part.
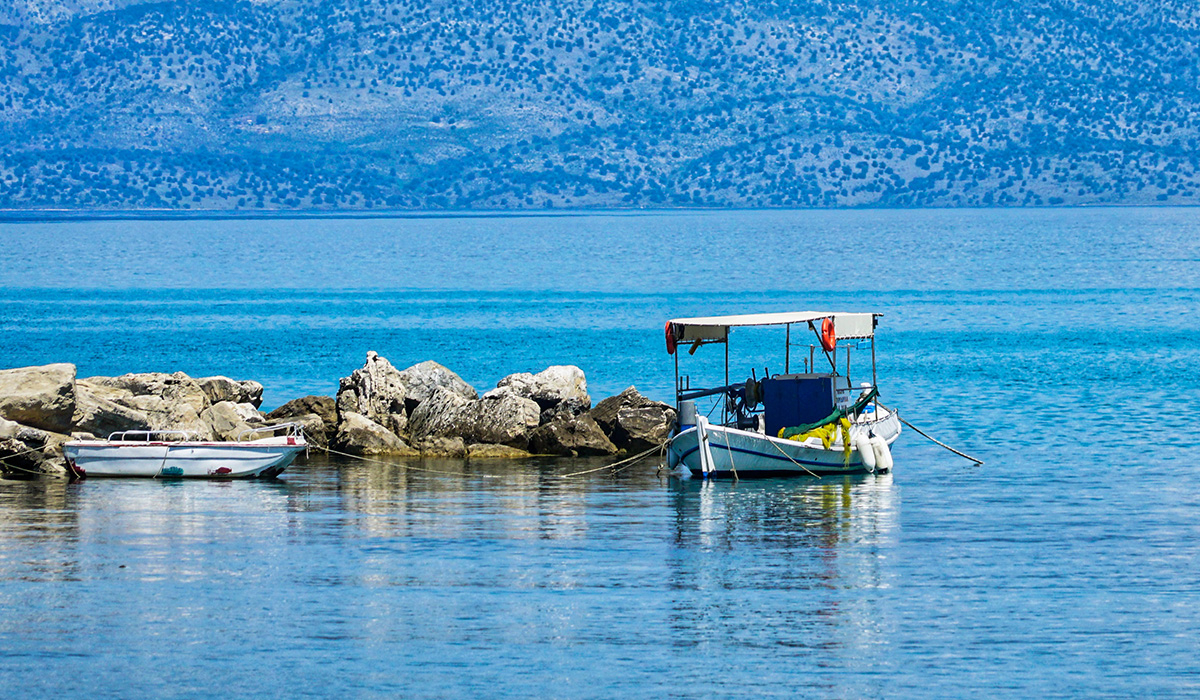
(184, 460)
(752, 454)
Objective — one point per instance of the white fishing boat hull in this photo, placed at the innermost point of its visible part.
(266, 457)
(752, 454)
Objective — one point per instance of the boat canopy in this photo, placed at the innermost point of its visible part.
(716, 328)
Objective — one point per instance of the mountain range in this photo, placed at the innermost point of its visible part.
(381, 104)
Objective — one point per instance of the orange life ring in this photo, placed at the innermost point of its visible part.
(670, 339)
(828, 339)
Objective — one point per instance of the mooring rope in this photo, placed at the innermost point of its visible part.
(927, 435)
(3, 460)
(629, 461)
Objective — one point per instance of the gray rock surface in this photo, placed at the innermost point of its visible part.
(375, 391)
(422, 379)
(501, 420)
(220, 388)
(226, 419)
(548, 388)
(324, 407)
(98, 414)
(314, 428)
(442, 447)
(41, 397)
(25, 450)
(577, 437)
(496, 418)
(639, 429)
(176, 389)
(632, 421)
(567, 410)
(439, 415)
(359, 435)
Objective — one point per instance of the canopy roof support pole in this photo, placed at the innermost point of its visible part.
(787, 353)
(677, 392)
(725, 398)
(874, 379)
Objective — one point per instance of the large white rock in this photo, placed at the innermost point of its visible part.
(548, 388)
(422, 379)
(375, 391)
(42, 397)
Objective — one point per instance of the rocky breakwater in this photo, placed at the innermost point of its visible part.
(425, 410)
(429, 410)
(43, 407)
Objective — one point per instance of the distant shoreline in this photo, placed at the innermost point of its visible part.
(42, 216)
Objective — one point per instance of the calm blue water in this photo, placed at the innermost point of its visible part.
(1061, 346)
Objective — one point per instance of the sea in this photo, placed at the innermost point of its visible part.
(1059, 346)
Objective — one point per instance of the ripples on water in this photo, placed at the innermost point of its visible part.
(1060, 346)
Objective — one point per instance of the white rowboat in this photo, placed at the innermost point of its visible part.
(172, 454)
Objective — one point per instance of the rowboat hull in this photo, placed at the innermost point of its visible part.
(184, 460)
(752, 454)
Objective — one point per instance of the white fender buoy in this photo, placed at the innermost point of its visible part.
(866, 451)
(883, 454)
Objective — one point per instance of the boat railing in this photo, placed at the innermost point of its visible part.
(293, 430)
(153, 436)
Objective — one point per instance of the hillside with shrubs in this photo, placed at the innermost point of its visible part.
(347, 104)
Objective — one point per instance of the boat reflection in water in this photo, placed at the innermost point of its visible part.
(800, 562)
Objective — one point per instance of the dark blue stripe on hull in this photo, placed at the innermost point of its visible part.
(818, 466)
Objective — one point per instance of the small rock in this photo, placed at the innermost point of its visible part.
(360, 435)
(639, 429)
(41, 397)
(422, 379)
(219, 389)
(577, 437)
(487, 451)
(442, 447)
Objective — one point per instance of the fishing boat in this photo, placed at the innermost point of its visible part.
(816, 421)
(176, 454)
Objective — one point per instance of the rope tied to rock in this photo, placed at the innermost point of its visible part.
(6, 463)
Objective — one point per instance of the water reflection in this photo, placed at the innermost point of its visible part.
(795, 564)
(456, 564)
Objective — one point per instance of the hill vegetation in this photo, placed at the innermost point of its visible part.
(278, 104)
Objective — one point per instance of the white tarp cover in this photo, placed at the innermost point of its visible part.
(716, 328)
